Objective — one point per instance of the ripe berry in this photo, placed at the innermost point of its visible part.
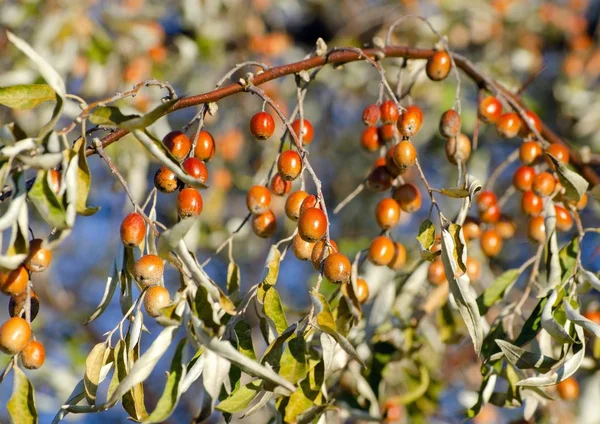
(265, 224)
(310, 201)
(380, 179)
(205, 146)
(308, 132)
(279, 186)
(289, 165)
(362, 290)
(302, 249)
(381, 250)
(530, 152)
(157, 297)
(371, 115)
(293, 203)
(543, 184)
(387, 213)
(195, 168)
(568, 389)
(39, 258)
(399, 258)
(312, 224)
(133, 230)
(165, 180)
(410, 121)
(392, 411)
(386, 133)
(473, 269)
(258, 199)
(178, 144)
(490, 215)
(404, 155)
(337, 268)
(506, 227)
(320, 251)
(523, 178)
(564, 221)
(54, 180)
(450, 123)
(189, 202)
(531, 204)
(14, 335)
(262, 125)
(581, 204)
(593, 316)
(370, 139)
(389, 112)
(435, 273)
(534, 121)
(490, 109)
(15, 281)
(33, 355)
(148, 270)
(560, 152)
(438, 66)
(508, 125)
(486, 199)
(471, 229)
(458, 149)
(16, 305)
(491, 243)
(408, 197)
(390, 165)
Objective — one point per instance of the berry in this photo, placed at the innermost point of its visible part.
(258, 199)
(308, 132)
(362, 290)
(380, 178)
(54, 180)
(490, 109)
(165, 180)
(386, 133)
(531, 204)
(593, 316)
(312, 224)
(491, 243)
(133, 230)
(530, 152)
(408, 197)
(157, 297)
(568, 389)
(39, 258)
(196, 169)
(14, 335)
(387, 213)
(16, 305)
(508, 125)
(486, 199)
(279, 186)
(392, 411)
(262, 126)
(310, 201)
(178, 144)
(399, 258)
(390, 165)
(381, 250)
(435, 273)
(473, 269)
(410, 121)
(560, 152)
(490, 215)
(148, 270)
(582, 202)
(15, 281)
(337, 268)
(302, 249)
(33, 355)
(371, 115)
(404, 155)
(450, 123)
(189, 203)
(506, 227)
(438, 66)
(543, 184)
(534, 121)
(564, 221)
(293, 204)
(389, 112)
(471, 229)
(205, 146)
(369, 139)
(320, 251)
(458, 149)
(523, 178)
(289, 165)
(265, 224)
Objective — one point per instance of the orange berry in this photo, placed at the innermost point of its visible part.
(486, 199)
(473, 269)
(279, 186)
(14, 335)
(362, 290)
(450, 123)
(435, 273)
(438, 66)
(581, 204)
(312, 224)
(404, 155)
(205, 146)
(33, 355)
(308, 132)
(381, 250)
(564, 221)
(13, 282)
(165, 180)
(560, 152)
(530, 152)
(390, 164)
(258, 199)
(310, 201)
(302, 249)
(534, 121)
(265, 224)
(148, 270)
(506, 227)
(387, 213)
(54, 180)
(337, 268)
(380, 178)
(490, 215)
(399, 258)
(458, 149)
(39, 258)
(531, 204)
(523, 178)
(16, 304)
(392, 411)
(408, 197)
(289, 165)
(543, 184)
(491, 243)
(490, 109)
(471, 229)
(386, 133)
(156, 298)
(568, 389)
(508, 125)
(371, 115)
(293, 204)
(262, 126)
(593, 316)
(196, 169)
(389, 112)
(320, 251)
(410, 121)
(178, 144)
(189, 203)
(369, 139)
(133, 230)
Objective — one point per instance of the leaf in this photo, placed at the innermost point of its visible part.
(148, 119)
(549, 324)
(418, 391)
(109, 115)
(454, 256)
(170, 238)
(46, 203)
(523, 359)
(26, 96)
(240, 398)
(84, 180)
(76, 396)
(109, 291)
(243, 332)
(426, 236)
(575, 185)
(568, 259)
(233, 280)
(274, 311)
(553, 269)
(496, 291)
(590, 277)
(18, 202)
(532, 325)
(455, 192)
(574, 316)
(24, 145)
(21, 405)
(93, 366)
(216, 370)
(294, 362)
(270, 273)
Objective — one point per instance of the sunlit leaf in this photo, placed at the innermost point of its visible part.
(523, 359)
(241, 397)
(93, 365)
(21, 405)
(549, 324)
(495, 292)
(46, 202)
(26, 96)
(575, 185)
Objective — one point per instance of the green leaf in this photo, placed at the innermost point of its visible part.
(523, 359)
(109, 291)
(274, 311)
(309, 394)
(46, 202)
(455, 192)
(170, 238)
(418, 391)
(549, 323)
(270, 274)
(575, 185)
(84, 180)
(568, 259)
(495, 292)
(21, 405)
(133, 399)
(233, 280)
(148, 119)
(204, 309)
(294, 363)
(240, 398)
(426, 236)
(93, 365)
(243, 331)
(532, 325)
(112, 115)
(109, 115)
(26, 96)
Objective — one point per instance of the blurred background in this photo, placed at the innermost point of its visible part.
(103, 47)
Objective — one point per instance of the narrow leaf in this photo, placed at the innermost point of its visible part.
(26, 96)
(523, 359)
(21, 405)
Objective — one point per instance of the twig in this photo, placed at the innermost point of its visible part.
(489, 184)
(349, 198)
